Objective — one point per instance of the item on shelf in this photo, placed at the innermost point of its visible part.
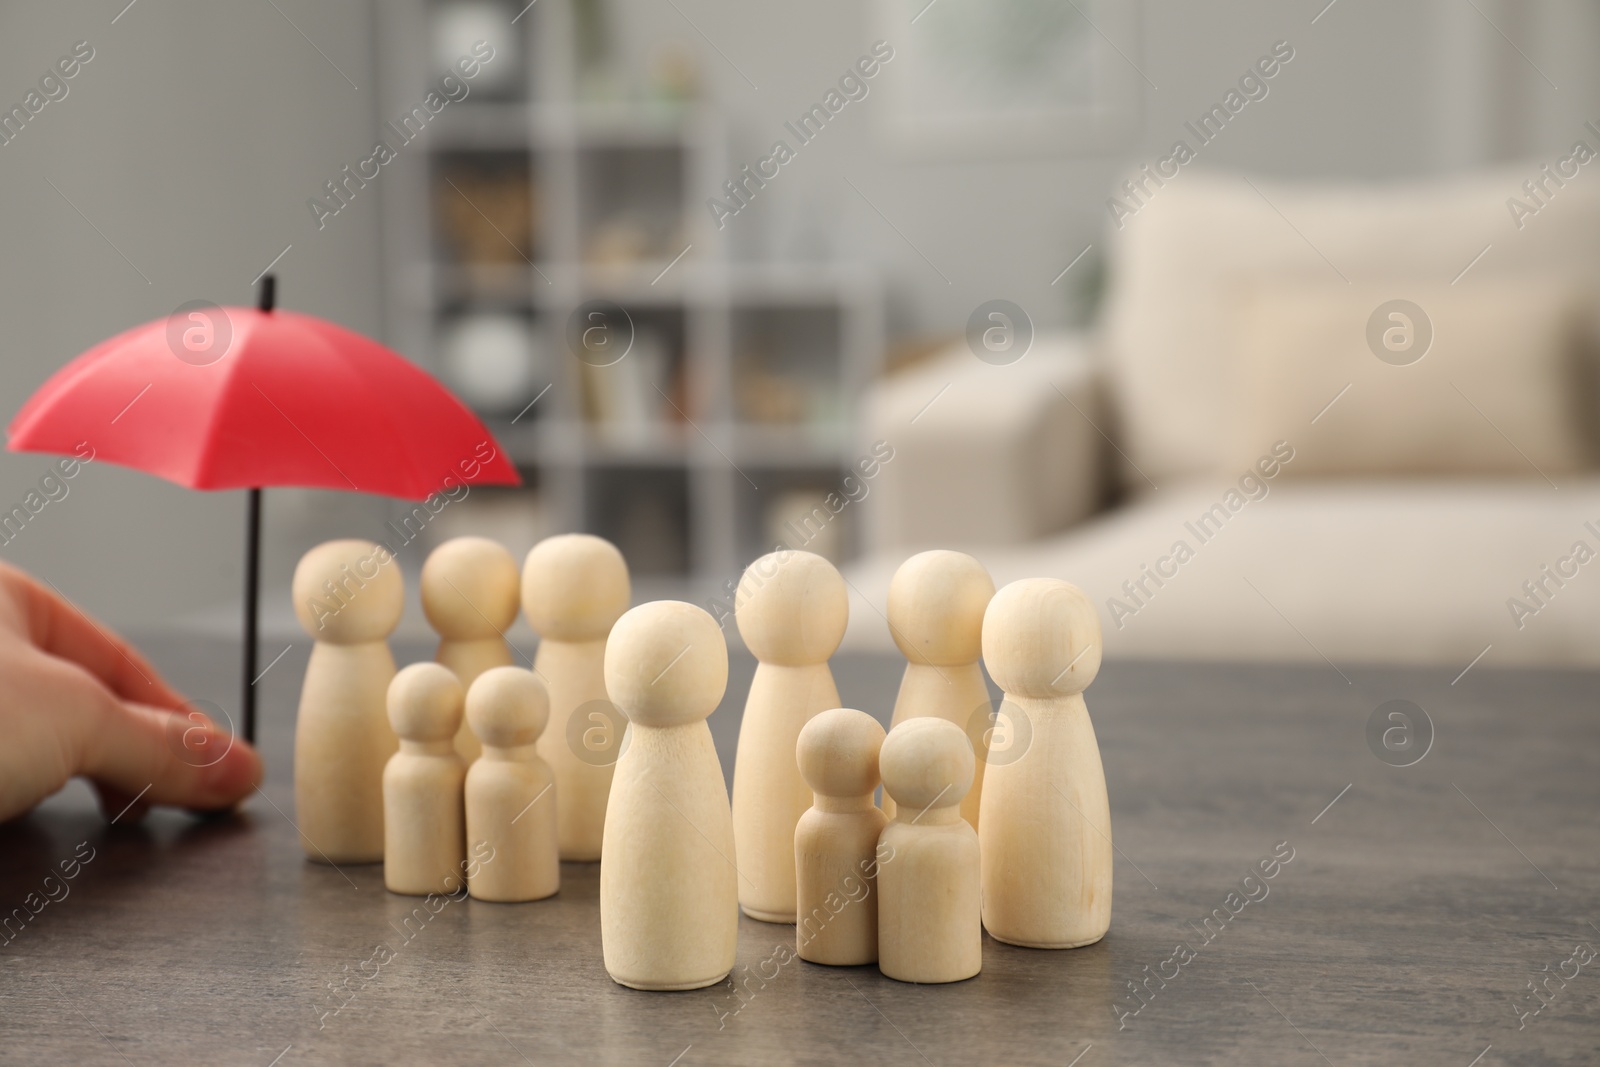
(771, 398)
(619, 241)
(627, 400)
(629, 238)
(650, 528)
(492, 360)
(485, 212)
(674, 75)
(459, 24)
(801, 519)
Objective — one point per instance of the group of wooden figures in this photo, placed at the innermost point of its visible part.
(446, 772)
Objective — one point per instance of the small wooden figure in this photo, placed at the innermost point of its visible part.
(936, 603)
(510, 792)
(574, 587)
(836, 841)
(469, 594)
(348, 595)
(1046, 831)
(669, 911)
(929, 925)
(791, 608)
(425, 837)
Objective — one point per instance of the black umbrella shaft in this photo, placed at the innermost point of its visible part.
(252, 593)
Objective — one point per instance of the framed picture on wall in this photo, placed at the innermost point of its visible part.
(1012, 77)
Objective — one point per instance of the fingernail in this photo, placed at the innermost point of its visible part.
(235, 773)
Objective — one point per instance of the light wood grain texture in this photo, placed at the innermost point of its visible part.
(929, 913)
(668, 881)
(836, 840)
(574, 588)
(792, 609)
(1046, 832)
(510, 792)
(469, 594)
(425, 838)
(348, 595)
(936, 604)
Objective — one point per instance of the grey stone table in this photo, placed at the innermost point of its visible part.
(1426, 911)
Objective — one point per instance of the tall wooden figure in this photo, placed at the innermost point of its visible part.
(1046, 831)
(425, 834)
(936, 604)
(510, 791)
(574, 587)
(469, 594)
(348, 595)
(929, 912)
(669, 898)
(792, 609)
(836, 841)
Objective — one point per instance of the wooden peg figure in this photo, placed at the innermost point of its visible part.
(936, 604)
(510, 791)
(929, 924)
(836, 841)
(791, 608)
(574, 588)
(348, 595)
(425, 835)
(469, 594)
(669, 900)
(1046, 830)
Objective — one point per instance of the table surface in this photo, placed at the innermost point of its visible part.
(1419, 904)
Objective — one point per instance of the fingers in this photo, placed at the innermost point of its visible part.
(156, 757)
(61, 628)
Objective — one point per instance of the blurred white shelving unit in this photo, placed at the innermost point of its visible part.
(736, 404)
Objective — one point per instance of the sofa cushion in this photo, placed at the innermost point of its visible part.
(1476, 378)
(1378, 572)
(1175, 262)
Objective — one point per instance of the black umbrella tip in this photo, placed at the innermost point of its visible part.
(269, 292)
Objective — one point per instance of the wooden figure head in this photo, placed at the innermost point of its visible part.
(838, 753)
(1041, 638)
(508, 707)
(425, 703)
(666, 664)
(936, 604)
(792, 608)
(926, 763)
(469, 589)
(348, 592)
(574, 587)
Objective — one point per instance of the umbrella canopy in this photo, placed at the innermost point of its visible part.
(293, 400)
(242, 398)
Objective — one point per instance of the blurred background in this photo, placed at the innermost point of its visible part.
(980, 298)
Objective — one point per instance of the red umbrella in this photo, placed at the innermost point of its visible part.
(242, 398)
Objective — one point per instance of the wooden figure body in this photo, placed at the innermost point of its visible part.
(469, 594)
(574, 588)
(936, 604)
(669, 912)
(791, 608)
(425, 836)
(348, 595)
(836, 840)
(510, 791)
(929, 911)
(1046, 831)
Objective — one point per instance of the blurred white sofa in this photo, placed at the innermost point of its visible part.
(1231, 470)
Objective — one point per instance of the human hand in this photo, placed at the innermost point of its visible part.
(77, 700)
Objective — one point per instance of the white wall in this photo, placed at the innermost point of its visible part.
(191, 140)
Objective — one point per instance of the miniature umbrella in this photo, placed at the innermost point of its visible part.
(244, 398)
